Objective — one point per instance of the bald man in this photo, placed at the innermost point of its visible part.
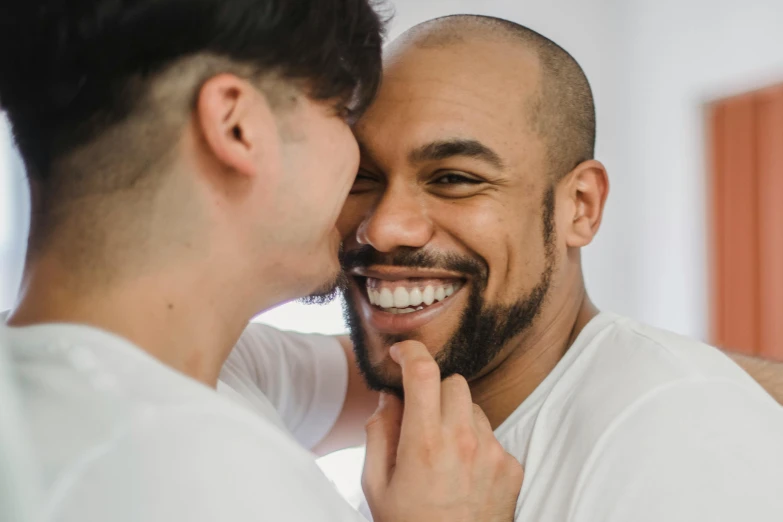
(477, 190)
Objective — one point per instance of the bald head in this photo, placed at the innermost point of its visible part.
(561, 110)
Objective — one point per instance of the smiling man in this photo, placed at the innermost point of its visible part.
(477, 190)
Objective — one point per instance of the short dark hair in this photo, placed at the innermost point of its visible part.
(563, 113)
(70, 69)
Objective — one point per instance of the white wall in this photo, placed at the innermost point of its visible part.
(681, 54)
(13, 217)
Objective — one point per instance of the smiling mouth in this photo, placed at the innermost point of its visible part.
(409, 295)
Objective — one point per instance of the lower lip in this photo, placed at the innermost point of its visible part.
(397, 324)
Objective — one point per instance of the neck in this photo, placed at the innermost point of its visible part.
(531, 357)
(174, 315)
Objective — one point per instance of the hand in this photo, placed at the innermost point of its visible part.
(436, 458)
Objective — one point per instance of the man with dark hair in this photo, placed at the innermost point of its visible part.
(476, 191)
(188, 161)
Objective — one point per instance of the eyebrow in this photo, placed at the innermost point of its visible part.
(445, 149)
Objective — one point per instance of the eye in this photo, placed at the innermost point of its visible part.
(453, 178)
(456, 185)
(365, 182)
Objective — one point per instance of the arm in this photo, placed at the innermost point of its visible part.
(360, 403)
(311, 380)
(768, 374)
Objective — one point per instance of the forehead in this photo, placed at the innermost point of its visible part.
(483, 91)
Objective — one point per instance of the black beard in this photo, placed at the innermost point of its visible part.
(484, 329)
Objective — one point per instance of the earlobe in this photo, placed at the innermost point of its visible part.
(588, 188)
(233, 118)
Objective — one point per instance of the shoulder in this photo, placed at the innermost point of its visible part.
(194, 464)
(629, 359)
(630, 364)
(704, 448)
(639, 413)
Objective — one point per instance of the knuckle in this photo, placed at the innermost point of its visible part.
(429, 444)
(496, 455)
(514, 471)
(423, 369)
(427, 451)
(375, 419)
(466, 442)
(367, 486)
(456, 380)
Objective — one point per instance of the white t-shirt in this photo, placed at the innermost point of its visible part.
(300, 380)
(121, 437)
(635, 424)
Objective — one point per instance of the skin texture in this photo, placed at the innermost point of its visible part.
(431, 94)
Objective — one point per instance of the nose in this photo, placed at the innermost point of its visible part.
(398, 220)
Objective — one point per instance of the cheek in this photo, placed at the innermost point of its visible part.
(341, 149)
(330, 155)
(509, 241)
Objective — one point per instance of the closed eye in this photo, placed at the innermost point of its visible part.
(454, 179)
(365, 182)
(456, 185)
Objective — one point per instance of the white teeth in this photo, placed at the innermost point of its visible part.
(386, 299)
(440, 294)
(415, 297)
(401, 299)
(406, 311)
(428, 296)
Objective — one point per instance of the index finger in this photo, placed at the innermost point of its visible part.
(421, 382)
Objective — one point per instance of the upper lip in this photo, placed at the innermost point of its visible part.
(397, 273)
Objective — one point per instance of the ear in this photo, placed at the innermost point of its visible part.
(237, 123)
(586, 189)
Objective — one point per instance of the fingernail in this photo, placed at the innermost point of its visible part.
(394, 352)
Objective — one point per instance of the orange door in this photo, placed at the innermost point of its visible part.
(747, 222)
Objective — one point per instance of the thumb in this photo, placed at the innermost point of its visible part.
(383, 436)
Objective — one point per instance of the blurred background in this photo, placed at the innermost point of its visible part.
(689, 95)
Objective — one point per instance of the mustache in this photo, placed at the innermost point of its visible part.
(408, 257)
